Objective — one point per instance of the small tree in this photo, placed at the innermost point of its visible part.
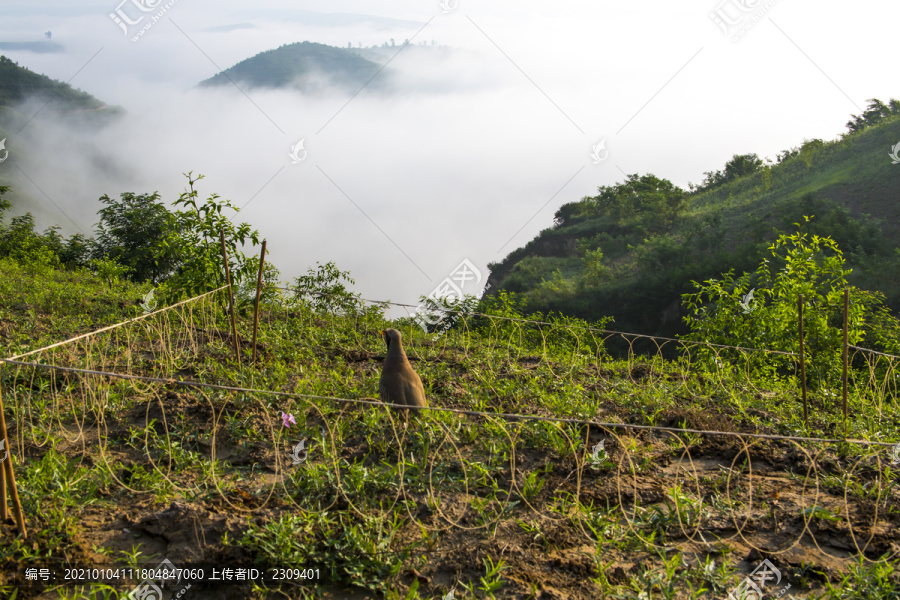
(594, 272)
(130, 233)
(759, 310)
(809, 150)
(876, 112)
(108, 270)
(194, 238)
(323, 289)
(77, 251)
(571, 212)
(640, 197)
(21, 243)
(739, 166)
(437, 315)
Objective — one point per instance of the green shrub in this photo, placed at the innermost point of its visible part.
(130, 233)
(195, 239)
(760, 310)
(325, 290)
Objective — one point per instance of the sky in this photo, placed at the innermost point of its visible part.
(534, 105)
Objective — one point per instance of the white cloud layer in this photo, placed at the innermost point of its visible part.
(476, 150)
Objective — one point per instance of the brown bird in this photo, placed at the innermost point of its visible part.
(399, 383)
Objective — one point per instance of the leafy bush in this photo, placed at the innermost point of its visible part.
(739, 166)
(611, 246)
(19, 241)
(436, 315)
(108, 270)
(76, 251)
(646, 199)
(660, 251)
(876, 112)
(759, 310)
(509, 307)
(245, 292)
(595, 272)
(195, 240)
(573, 212)
(131, 232)
(323, 288)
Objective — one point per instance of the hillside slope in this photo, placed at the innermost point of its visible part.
(591, 263)
(18, 83)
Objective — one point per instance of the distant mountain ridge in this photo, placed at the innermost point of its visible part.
(307, 66)
(42, 47)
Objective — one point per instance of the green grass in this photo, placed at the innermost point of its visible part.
(480, 497)
(40, 306)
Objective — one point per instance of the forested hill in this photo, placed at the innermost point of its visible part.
(631, 251)
(17, 83)
(304, 65)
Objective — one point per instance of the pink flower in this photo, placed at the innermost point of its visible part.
(288, 420)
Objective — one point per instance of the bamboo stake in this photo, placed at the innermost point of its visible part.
(237, 347)
(262, 260)
(4, 509)
(845, 352)
(802, 362)
(9, 477)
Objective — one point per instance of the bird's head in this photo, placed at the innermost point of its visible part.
(389, 336)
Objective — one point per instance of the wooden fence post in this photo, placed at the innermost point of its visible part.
(262, 260)
(802, 362)
(237, 348)
(8, 476)
(845, 349)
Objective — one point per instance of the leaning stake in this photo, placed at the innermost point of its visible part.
(802, 362)
(9, 477)
(262, 260)
(845, 348)
(237, 348)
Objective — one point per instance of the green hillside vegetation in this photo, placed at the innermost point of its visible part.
(17, 84)
(121, 472)
(299, 66)
(633, 250)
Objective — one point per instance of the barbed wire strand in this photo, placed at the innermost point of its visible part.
(742, 494)
(116, 325)
(200, 384)
(873, 351)
(564, 325)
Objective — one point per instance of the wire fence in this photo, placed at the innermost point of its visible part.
(530, 422)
